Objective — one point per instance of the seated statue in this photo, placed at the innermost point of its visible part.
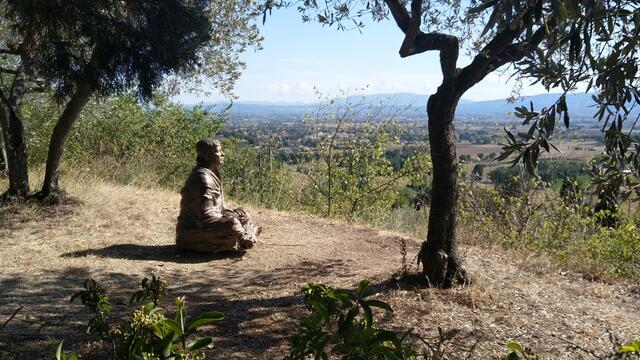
(205, 223)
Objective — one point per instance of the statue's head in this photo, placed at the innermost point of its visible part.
(209, 153)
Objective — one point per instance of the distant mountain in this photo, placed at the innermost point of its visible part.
(414, 105)
(580, 105)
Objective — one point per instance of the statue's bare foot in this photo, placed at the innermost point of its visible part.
(247, 244)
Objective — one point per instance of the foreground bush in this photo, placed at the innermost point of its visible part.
(342, 323)
(148, 334)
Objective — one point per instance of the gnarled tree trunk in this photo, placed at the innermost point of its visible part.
(3, 150)
(13, 134)
(59, 136)
(441, 264)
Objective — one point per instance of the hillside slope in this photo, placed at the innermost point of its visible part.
(118, 235)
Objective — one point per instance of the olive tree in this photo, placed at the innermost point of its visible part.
(560, 44)
(77, 49)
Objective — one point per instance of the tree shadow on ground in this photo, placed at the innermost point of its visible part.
(261, 307)
(165, 253)
(18, 214)
(407, 282)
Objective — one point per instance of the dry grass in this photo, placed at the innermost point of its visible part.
(120, 234)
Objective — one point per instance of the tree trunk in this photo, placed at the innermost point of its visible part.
(13, 134)
(441, 264)
(3, 149)
(59, 136)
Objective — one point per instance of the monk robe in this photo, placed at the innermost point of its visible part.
(204, 223)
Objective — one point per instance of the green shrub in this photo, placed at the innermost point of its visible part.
(541, 222)
(518, 352)
(342, 324)
(617, 249)
(123, 140)
(148, 334)
(255, 176)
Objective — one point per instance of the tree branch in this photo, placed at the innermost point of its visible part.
(9, 52)
(417, 42)
(400, 15)
(414, 28)
(517, 51)
(8, 71)
(485, 61)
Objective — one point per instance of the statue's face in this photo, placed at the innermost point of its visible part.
(218, 156)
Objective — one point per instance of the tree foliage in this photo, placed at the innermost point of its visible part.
(111, 45)
(120, 45)
(78, 49)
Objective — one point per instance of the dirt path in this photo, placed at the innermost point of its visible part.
(45, 254)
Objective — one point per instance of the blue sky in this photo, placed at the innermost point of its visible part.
(297, 57)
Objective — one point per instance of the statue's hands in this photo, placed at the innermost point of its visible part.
(238, 213)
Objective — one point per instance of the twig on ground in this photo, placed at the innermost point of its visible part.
(11, 317)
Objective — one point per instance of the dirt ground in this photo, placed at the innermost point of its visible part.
(118, 235)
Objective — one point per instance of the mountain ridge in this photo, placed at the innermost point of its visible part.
(580, 105)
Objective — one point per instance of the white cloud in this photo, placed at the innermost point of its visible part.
(295, 91)
(499, 86)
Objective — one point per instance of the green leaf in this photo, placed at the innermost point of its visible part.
(379, 304)
(505, 155)
(562, 103)
(510, 135)
(59, 351)
(149, 308)
(203, 319)
(165, 343)
(342, 296)
(627, 349)
(633, 347)
(200, 343)
(368, 314)
(385, 335)
(174, 326)
(560, 10)
(346, 323)
(320, 308)
(545, 144)
(515, 347)
(493, 19)
(526, 159)
(512, 356)
(362, 287)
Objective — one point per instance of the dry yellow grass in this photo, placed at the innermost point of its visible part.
(119, 234)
